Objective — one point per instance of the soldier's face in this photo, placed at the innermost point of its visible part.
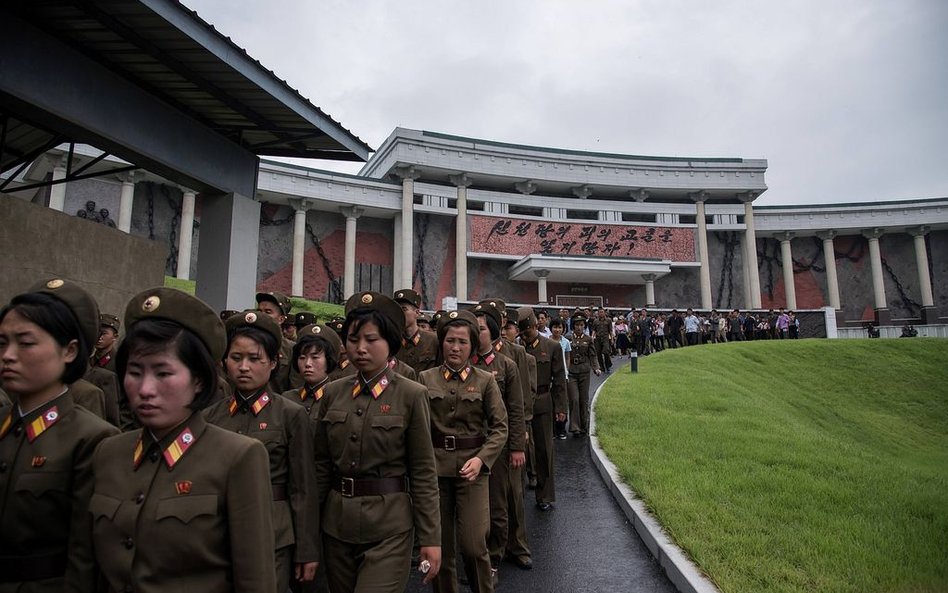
(31, 360)
(272, 310)
(312, 365)
(411, 314)
(248, 365)
(511, 332)
(483, 335)
(106, 339)
(367, 348)
(456, 347)
(160, 388)
(579, 327)
(289, 331)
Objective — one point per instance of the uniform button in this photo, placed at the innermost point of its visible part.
(154, 456)
(17, 431)
(453, 391)
(140, 498)
(128, 543)
(452, 408)
(359, 412)
(352, 464)
(353, 437)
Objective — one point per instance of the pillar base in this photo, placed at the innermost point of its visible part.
(883, 317)
(929, 315)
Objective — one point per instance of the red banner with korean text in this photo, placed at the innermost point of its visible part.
(514, 236)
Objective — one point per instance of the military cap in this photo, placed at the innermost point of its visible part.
(409, 296)
(282, 301)
(251, 318)
(512, 315)
(379, 302)
(489, 310)
(526, 318)
(463, 316)
(304, 318)
(436, 316)
(228, 313)
(109, 320)
(323, 331)
(336, 324)
(578, 316)
(80, 302)
(499, 304)
(187, 311)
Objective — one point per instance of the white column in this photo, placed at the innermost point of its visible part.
(352, 214)
(921, 262)
(875, 260)
(705, 271)
(185, 233)
(127, 200)
(786, 260)
(649, 289)
(299, 246)
(750, 247)
(57, 192)
(745, 268)
(397, 253)
(541, 285)
(408, 175)
(460, 244)
(829, 255)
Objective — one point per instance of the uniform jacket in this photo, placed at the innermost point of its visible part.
(107, 381)
(584, 354)
(284, 428)
(465, 404)
(400, 367)
(311, 398)
(187, 513)
(382, 431)
(45, 485)
(89, 397)
(507, 377)
(551, 375)
(420, 352)
(527, 371)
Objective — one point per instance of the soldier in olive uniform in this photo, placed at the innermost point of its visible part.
(375, 466)
(46, 440)
(550, 401)
(315, 354)
(304, 318)
(277, 306)
(583, 359)
(509, 466)
(419, 348)
(252, 347)
(469, 432)
(424, 322)
(179, 505)
(602, 334)
(105, 346)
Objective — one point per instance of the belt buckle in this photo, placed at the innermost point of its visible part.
(348, 487)
(450, 444)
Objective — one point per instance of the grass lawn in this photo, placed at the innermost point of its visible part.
(324, 311)
(791, 466)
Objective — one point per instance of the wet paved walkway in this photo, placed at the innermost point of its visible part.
(585, 544)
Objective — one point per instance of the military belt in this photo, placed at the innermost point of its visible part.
(541, 389)
(350, 487)
(15, 569)
(453, 443)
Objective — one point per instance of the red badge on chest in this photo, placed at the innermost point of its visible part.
(38, 461)
(263, 426)
(183, 487)
(385, 408)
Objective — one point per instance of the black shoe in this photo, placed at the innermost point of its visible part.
(523, 562)
(561, 436)
(545, 506)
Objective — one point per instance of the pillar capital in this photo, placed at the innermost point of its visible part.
(698, 196)
(129, 177)
(748, 196)
(461, 180)
(827, 235)
(639, 195)
(299, 205)
(919, 231)
(784, 236)
(352, 211)
(582, 192)
(405, 173)
(873, 233)
(525, 187)
(541, 273)
(649, 277)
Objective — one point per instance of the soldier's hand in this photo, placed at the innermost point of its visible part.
(471, 469)
(598, 372)
(433, 555)
(561, 417)
(517, 459)
(306, 571)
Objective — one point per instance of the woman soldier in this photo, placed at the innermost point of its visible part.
(374, 463)
(46, 440)
(314, 356)
(469, 433)
(253, 348)
(179, 504)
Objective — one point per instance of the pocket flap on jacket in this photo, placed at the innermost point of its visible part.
(186, 508)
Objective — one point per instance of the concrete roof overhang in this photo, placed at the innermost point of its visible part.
(592, 270)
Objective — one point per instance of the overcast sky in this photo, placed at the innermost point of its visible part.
(846, 99)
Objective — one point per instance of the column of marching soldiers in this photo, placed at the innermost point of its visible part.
(493, 413)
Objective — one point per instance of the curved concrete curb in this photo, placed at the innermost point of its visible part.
(680, 569)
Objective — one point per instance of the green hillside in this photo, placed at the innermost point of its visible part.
(791, 466)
